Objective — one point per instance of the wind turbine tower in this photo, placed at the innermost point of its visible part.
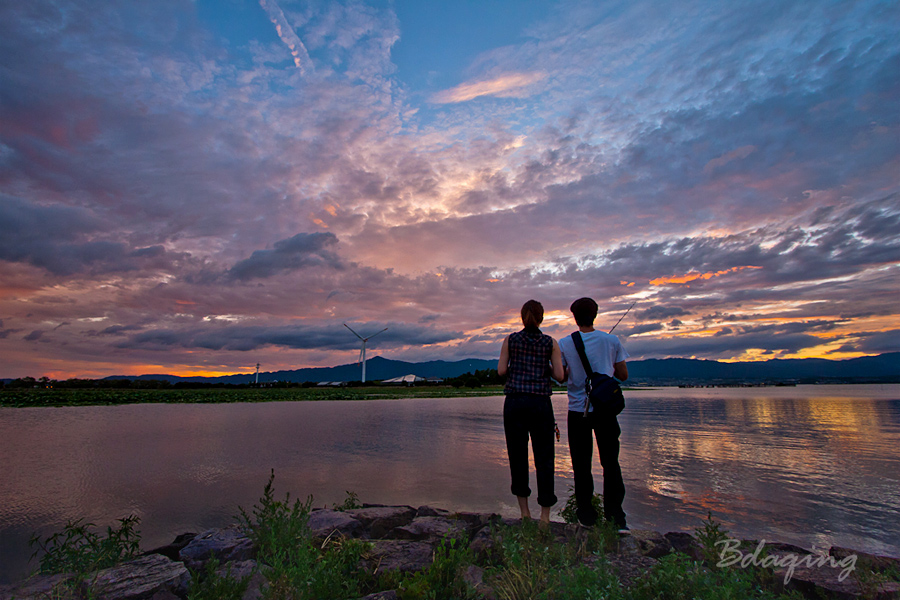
(257, 374)
(362, 352)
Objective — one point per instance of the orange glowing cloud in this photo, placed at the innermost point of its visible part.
(506, 85)
(693, 276)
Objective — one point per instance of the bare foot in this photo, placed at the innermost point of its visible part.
(523, 507)
(545, 518)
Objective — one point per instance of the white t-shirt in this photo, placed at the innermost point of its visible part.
(603, 351)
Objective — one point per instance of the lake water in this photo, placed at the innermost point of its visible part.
(812, 465)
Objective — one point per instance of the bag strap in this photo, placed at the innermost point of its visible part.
(579, 346)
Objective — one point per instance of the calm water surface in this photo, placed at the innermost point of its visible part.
(812, 465)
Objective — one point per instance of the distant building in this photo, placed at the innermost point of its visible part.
(407, 379)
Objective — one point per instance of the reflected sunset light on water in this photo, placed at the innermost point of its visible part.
(807, 464)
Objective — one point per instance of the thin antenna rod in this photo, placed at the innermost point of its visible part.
(623, 316)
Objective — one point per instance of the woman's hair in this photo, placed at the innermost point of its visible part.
(532, 313)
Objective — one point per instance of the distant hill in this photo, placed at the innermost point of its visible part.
(668, 371)
(377, 368)
(671, 371)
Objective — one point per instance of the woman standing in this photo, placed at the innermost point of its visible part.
(526, 359)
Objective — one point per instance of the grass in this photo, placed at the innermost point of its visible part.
(522, 562)
(82, 552)
(107, 397)
(297, 566)
(568, 513)
(210, 584)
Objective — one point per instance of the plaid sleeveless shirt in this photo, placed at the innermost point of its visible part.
(529, 363)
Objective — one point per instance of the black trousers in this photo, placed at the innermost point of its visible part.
(582, 431)
(531, 415)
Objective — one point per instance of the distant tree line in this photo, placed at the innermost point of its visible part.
(119, 384)
(477, 379)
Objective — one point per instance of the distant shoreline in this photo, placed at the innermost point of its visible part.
(59, 397)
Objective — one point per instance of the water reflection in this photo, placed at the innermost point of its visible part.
(787, 463)
(793, 464)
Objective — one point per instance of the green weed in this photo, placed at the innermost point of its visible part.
(568, 510)
(80, 551)
(443, 579)
(871, 579)
(677, 577)
(350, 502)
(527, 561)
(208, 584)
(587, 583)
(709, 535)
(300, 567)
(77, 549)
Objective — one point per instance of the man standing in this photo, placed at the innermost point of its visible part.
(606, 355)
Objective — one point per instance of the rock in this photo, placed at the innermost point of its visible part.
(171, 551)
(423, 528)
(325, 522)
(141, 578)
(778, 547)
(685, 543)
(164, 595)
(476, 521)
(482, 545)
(818, 583)
(429, 511)
(381, 520)
(646, 543)
(229, 544)
(388, 595)
(246, 569)
(474, 578)
(828, 576)
(873, 562)
(628, 568)
(238, 569)
(39, 587)
(560, 531)
(399, 555)
(256, 588)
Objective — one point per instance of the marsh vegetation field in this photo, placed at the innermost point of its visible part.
(109, 397)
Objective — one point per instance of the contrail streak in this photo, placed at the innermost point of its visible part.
(287, 35)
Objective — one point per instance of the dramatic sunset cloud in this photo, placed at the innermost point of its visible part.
(192, 186)
(506, 85)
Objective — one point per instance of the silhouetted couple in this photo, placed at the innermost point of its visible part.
(529, 359)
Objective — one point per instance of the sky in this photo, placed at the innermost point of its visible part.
(196, 186)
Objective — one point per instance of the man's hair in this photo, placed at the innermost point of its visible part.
(532, 313)
(585, 311)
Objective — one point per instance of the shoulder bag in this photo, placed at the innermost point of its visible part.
(603, 391)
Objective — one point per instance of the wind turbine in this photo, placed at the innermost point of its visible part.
(362, 352)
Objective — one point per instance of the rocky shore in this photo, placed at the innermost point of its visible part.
(403, 539)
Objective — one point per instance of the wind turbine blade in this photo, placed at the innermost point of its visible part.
(374, 334)
(354, 333)
(362, 353)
